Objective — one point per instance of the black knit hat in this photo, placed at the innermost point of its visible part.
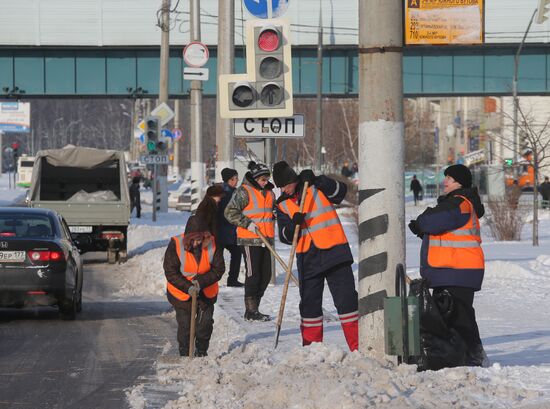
(228, 173)
(258, 169)
(283, 174)
(461, 174)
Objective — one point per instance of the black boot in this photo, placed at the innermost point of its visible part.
(251, 313)
(184, 350)
(201, 348)
(266, 317)
(477, 357)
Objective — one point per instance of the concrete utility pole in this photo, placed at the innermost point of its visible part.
(381, 164)
(177, 125)
(198, 170)
(162, 170)
(319, 113)
(226, 61)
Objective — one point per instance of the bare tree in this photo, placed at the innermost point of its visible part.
(535, 149)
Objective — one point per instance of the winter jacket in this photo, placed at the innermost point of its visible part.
(234, 210)
(416, 186)
(544, 190)
(135, 196)
(173, 275)
(315, 259)
(226, 232)
(445, 217)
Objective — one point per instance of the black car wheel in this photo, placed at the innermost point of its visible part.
(79, 302)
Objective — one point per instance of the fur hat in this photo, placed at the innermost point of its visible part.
(228, 173)
(196, 229)
(258, 169)
(215, 190)
(283, 174)
(461, 174)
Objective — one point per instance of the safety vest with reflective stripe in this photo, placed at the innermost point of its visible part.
(321, 224)
(189, 268)
(460, 248)
(260, 210)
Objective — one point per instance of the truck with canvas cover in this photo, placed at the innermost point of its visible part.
(89, 188)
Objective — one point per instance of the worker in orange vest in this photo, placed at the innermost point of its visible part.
(193, 264)
(323, 252)
(251, 209)
(451, 257)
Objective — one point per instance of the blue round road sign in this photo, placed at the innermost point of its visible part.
(258, 8)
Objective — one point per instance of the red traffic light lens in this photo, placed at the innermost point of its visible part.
(269, 40)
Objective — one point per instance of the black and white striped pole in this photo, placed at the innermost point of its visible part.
(381, 164)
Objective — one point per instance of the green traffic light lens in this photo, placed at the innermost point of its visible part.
(151, 146)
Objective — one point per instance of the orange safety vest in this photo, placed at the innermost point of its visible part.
(260, 210)
(189, 268)
(460, 248)
(321, 224)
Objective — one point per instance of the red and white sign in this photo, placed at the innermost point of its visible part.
(195, 54)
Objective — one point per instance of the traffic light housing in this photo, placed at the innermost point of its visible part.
(542, 11)
(153, 140)
(265, 90)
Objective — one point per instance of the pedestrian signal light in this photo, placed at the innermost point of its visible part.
(509, 162)
(542, 11)
(152, 132)
(265, 91)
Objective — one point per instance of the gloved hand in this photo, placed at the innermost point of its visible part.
(298, 218)
(307, 175)
(193, 290)
(252, 227)
(415, 228)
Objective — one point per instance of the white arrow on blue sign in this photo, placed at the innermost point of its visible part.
(259, 8)
(166, 133)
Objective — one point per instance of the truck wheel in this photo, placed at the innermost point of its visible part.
(122, 256)
(111, 256)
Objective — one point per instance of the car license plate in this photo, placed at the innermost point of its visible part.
(12, 256)
(80, 229)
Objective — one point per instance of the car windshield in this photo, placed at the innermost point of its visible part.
(25, 225)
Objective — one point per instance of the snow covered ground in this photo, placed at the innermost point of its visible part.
(244, 371)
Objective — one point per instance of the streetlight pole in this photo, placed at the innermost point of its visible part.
(517, 153)
(197, 165)
(319, 113)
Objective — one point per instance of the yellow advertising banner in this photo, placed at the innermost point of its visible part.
(443, 22)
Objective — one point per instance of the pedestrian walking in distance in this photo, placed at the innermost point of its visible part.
(544, 189)
(193, 264)
(251, 209)
(226, 236)
(135, 197)
(416, 188)
(323, 252)
(451, 257)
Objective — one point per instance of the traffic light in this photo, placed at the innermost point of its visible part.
(153, 140)
(542, 10)
(265, 90)
(508, 162)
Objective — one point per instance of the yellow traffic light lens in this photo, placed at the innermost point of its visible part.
(151, 135)
(272, 94)
(269, 40)
(243, 96)
(271, 68)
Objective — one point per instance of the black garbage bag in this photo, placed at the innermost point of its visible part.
(441, 345)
